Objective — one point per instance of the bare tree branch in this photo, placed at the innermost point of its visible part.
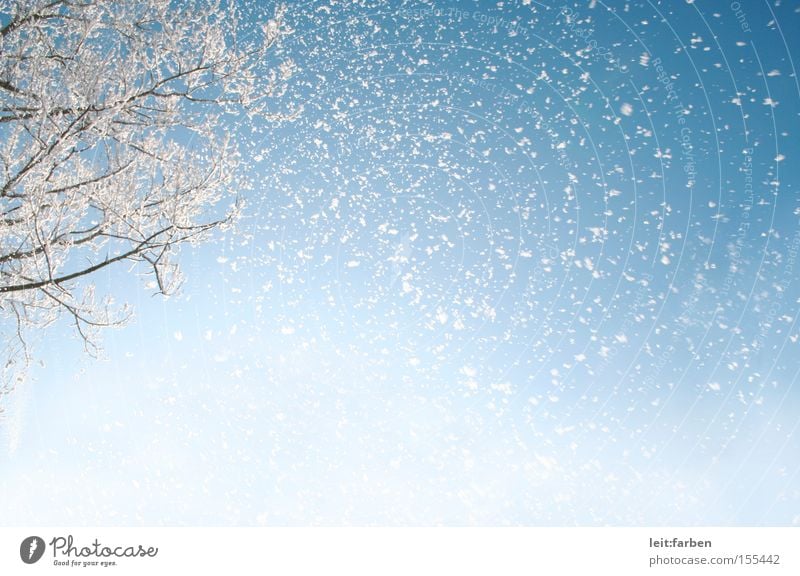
(114, 145)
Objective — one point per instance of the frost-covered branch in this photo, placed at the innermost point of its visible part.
(114, 145)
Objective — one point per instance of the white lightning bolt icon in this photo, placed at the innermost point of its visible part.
(34, 546)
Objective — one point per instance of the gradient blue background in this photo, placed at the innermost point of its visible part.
(494, 273)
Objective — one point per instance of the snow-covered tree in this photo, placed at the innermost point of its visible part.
(116, 146)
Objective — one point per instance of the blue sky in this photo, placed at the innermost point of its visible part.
(514, 263)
